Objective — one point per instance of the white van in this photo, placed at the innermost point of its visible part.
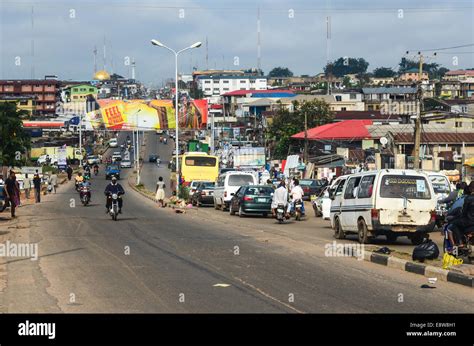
(441, 184)
(228, 183)
(390, 202)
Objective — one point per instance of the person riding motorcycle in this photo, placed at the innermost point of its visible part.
(86, 183)
(296, 193)
(114, 187)
(465, 220)
(79, 179)
(96, 168)
(280, 196)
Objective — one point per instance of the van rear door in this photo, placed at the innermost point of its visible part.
(405, 200)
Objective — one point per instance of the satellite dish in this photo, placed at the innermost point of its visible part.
(383, 140)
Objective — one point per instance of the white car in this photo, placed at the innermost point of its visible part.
(92, 160)
(126, 164)
(116, 156)
(113, 143)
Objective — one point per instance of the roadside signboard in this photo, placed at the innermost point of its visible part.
(62, 157)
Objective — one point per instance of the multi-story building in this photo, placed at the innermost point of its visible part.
(387, 97)
(413, 75)
(80, 93)
(213, 85)
(45, 92)
(24, 102)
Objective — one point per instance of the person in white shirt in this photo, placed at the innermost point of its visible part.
(280, 196)
(296, 194)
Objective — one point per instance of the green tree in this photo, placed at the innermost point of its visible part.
(285, 123)
(383, 72)
(344, 65)
(280, 72)
(14, 140)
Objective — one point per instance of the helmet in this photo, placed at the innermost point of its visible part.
(114, 179)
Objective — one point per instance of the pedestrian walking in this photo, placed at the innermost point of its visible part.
(160, 192)
(69, 172)
(53, 181)
(27, 186)
(37, 186)
(12, 193)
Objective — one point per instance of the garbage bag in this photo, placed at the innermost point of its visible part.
(426, 250)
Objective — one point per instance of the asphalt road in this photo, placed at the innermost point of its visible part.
(154, 260)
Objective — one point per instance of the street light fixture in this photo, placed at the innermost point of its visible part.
(176, 53)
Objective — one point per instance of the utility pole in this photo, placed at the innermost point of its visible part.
(417, 142)
(305, 154)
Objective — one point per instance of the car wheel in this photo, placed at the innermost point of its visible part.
(338, 232)
(241, 212)
(363, 232)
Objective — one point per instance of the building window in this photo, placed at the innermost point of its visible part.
(339, 98)
(208, 89)
(227, 89)
(207, 81)
(225, 81)
(23, 102)
(343, 109)
(458, 124)
(243, 81)
(252, 81)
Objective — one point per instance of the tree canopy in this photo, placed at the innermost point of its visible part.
(280, 72)
(285, 123)
(14, 139)
(344, 65)
(434, 70)
(384, 72)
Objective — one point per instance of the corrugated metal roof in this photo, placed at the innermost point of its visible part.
(389, 90)
(436, 138)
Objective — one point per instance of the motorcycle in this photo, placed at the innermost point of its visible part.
(441, 213)
(296, 210)
(77, 186)
(85, 195)
(280, 213)
(466, 251)
(114, 206)
(96, 171)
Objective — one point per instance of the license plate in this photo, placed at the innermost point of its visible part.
(313, 197)
(261, 200)
(280, 210)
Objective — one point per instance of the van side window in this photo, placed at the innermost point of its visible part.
(340, 187)
(366, 186)
(351, 190)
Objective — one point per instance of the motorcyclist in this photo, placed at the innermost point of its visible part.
(96, 168)
(114, 187)
(296, 193)
(79, 179)
(87, 170)
(466, 217)
(86, 183)
(280, 196)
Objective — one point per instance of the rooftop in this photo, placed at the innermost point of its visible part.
(389, 90)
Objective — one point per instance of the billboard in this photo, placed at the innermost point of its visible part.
(147, 114)
(249, 157)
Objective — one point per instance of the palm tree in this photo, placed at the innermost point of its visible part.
(14, 140)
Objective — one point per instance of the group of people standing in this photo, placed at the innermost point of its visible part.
(12, 189)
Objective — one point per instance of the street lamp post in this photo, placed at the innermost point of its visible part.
(176, 53)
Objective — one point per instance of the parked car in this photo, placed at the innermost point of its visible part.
(203, 194)
(390, 202)
(227, 184)
(112, 170)
(153, 158)
(192, 186)
(252, 199)
(322, 204)
(311, 187)
(126, 164)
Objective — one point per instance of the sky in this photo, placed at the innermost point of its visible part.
(57, 37)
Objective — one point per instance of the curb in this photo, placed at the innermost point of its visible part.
(421, 269)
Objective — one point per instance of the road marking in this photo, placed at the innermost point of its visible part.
(221, 285)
